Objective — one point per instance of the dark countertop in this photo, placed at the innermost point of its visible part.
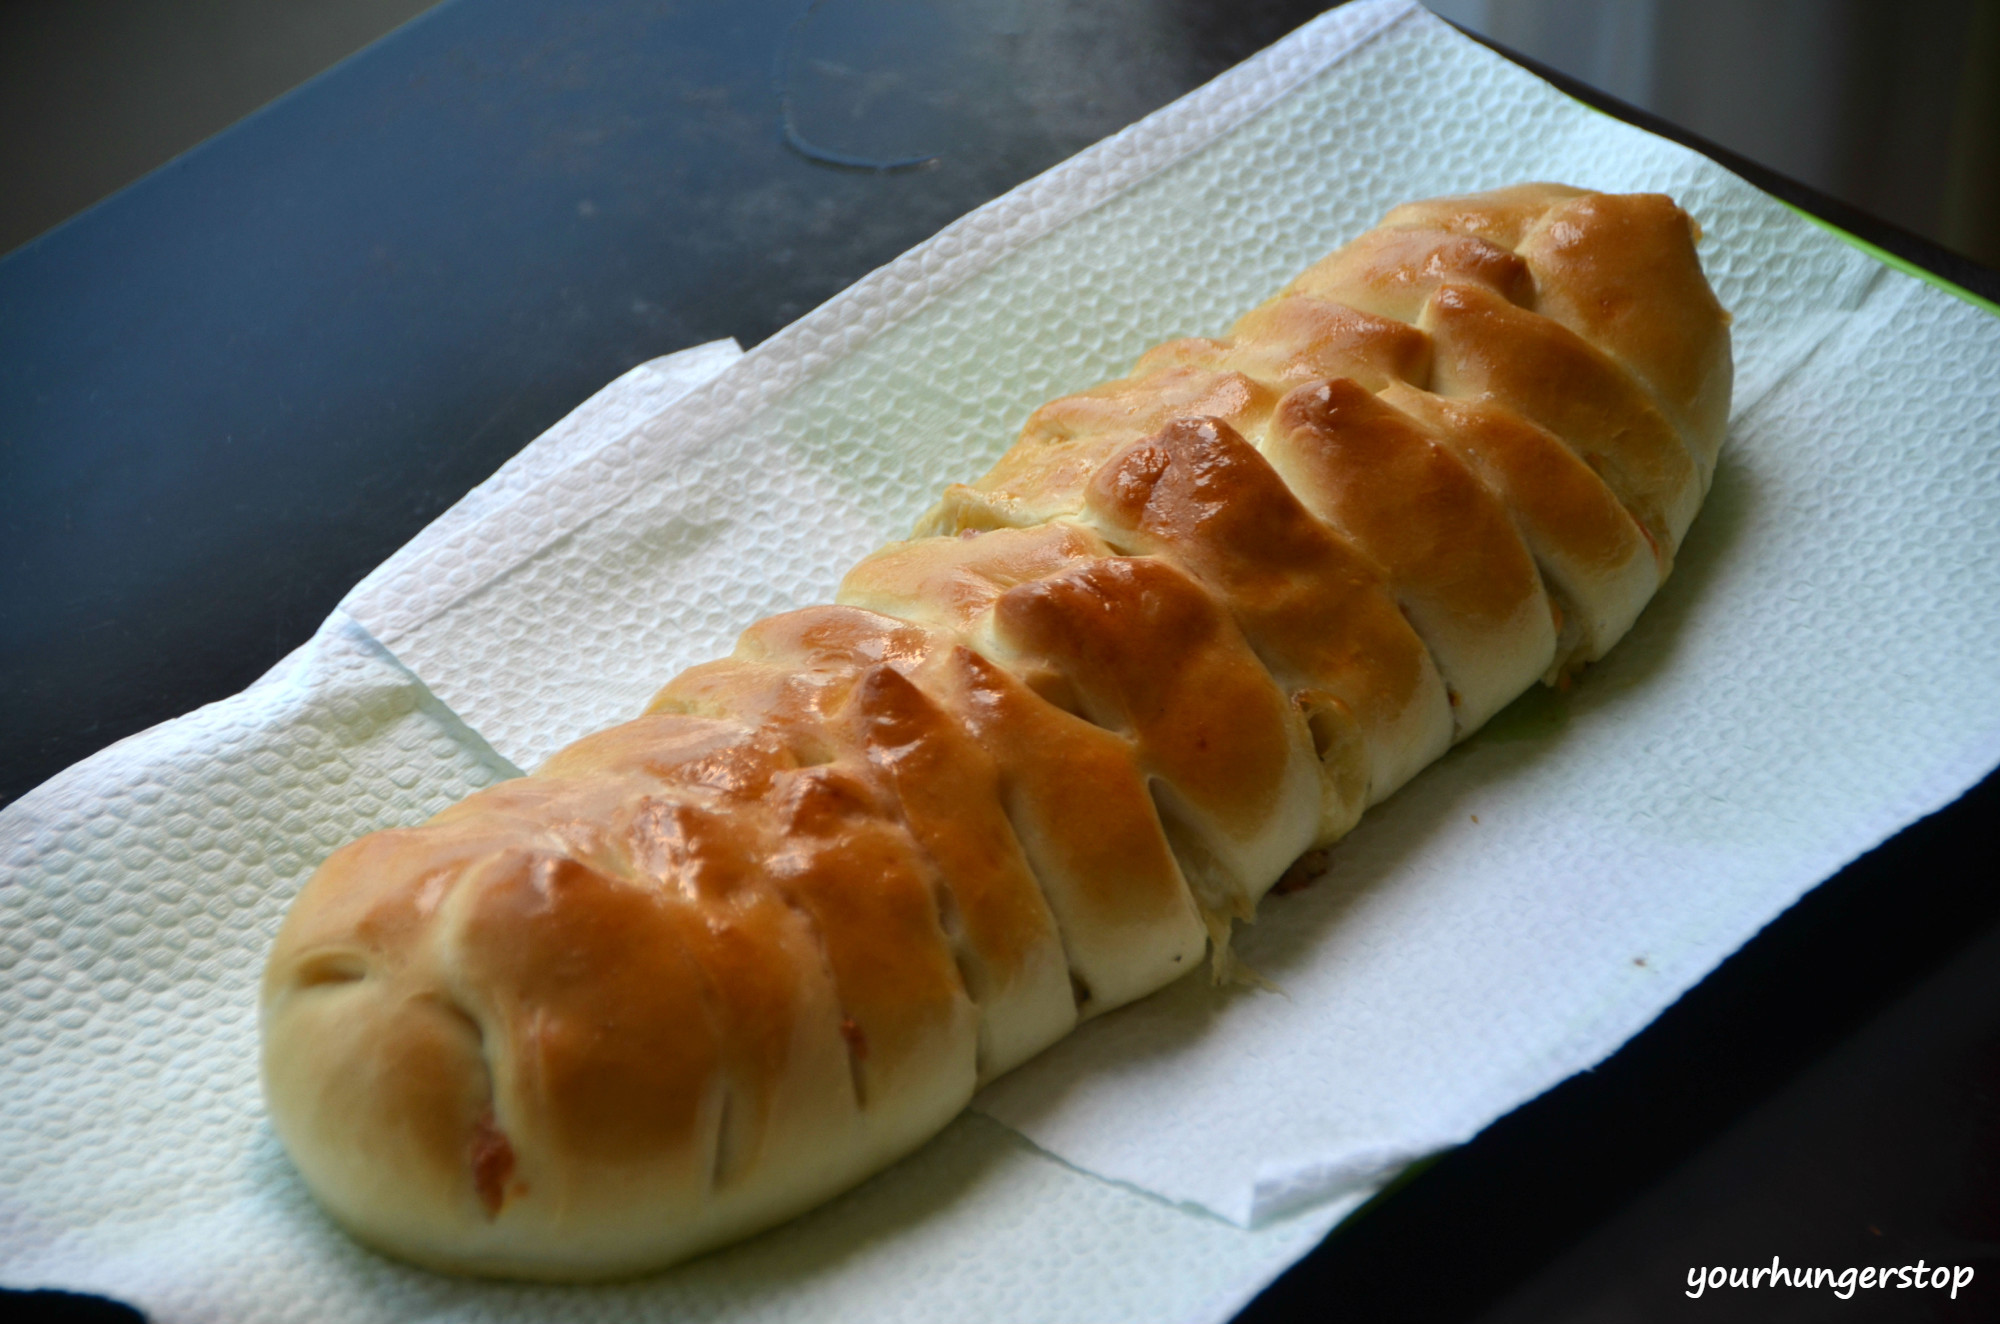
(233, 388)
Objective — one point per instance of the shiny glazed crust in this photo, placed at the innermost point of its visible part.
(708, 968)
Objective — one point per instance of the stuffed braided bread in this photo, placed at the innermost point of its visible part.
(708, 968)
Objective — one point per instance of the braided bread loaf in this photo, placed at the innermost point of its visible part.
(706, 969)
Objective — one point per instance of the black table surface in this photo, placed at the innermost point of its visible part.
(232, 389)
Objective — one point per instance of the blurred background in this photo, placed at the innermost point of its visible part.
(1891, 107)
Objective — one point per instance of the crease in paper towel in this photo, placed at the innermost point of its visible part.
(1442, 974)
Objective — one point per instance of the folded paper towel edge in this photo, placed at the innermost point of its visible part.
(388, 602)
(290, 681)
(1364, 1171)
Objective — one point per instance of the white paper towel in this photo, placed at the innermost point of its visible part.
(1810, 680)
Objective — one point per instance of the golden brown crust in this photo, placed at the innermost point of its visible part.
(707, 968)
(1319, 614)
(831, 683)
(1596, 562)
(1392, 273)
(1489, 349)
(1620, 271)
(1444, 542)
(1042, 478)
(1500, 216)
